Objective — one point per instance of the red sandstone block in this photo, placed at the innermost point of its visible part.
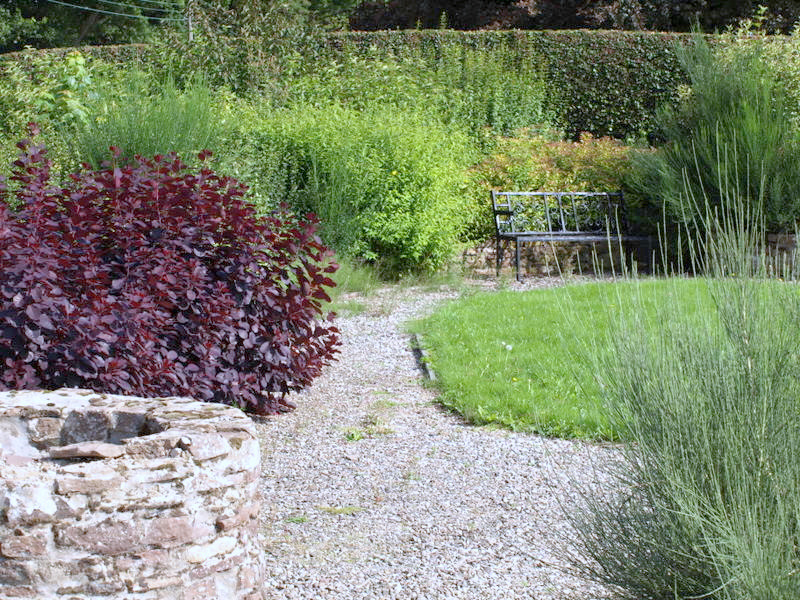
(92, 588)
(14, 574)
(207, 481)
(241, 516)
(154, 558)
(87, 450)
(156, 445)
(202, 590)
(86, 485)
(70, 508)
(175, 531)
(216, 566)
(24, 546)
(147, 584)
(206, 446)
(22, 591)
(106, 538)
(106, 588)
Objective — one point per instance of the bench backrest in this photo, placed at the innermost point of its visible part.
(558, 212)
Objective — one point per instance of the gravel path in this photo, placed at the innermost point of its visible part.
(374, 492)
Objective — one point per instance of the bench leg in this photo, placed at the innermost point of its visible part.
(652, 260)
(498, 256)
(516, 258)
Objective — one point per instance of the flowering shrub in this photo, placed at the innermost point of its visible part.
(151, 280)
(536, 163)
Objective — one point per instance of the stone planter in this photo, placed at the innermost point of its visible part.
(119, 497)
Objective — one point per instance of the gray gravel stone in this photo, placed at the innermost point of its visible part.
(422, 506)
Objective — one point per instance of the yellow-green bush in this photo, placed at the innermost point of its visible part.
(387, 186)
(538, 163)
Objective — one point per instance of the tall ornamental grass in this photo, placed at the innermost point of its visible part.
(707, 501)
(138, 119)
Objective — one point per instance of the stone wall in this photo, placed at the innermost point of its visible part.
(539, 259)
(119, 497)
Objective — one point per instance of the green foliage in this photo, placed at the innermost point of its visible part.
(352, 278)
(55, 90)
(780, 53)
(386, 186)
(237, 45)
(138, 120)
(709, 492)
(538, 163)
(332, 14)
(603, 82)
(15, 30)
(47, 24)
(45, 88)
(606, 83)
(466, 87)
(732, 130)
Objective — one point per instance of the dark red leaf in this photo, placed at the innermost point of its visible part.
(164, 282)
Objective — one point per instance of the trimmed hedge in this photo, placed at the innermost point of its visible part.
(604, 82)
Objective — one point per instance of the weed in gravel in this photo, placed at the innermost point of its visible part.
(341, 510)
(353, 434)
(383, 405)
(297, 519)
(374, 425)
(371, 425)
(349, 308)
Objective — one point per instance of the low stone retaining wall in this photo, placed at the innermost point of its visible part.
(119, 497)
(543, 259)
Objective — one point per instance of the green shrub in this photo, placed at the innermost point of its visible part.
(781, 53)
(465, 87)
(237, 45)
(732, 129)
(55, 91)
(538, 163)
(604, 82)
(41, 87)
(385, 185)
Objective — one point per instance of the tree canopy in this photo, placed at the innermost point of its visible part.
(53, 23)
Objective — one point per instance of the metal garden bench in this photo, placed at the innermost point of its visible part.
(586, 217)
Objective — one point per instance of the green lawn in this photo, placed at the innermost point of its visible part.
(526, 360)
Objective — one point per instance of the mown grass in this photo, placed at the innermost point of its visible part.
(525, 360)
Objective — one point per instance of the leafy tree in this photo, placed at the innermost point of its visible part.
(44, 23)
